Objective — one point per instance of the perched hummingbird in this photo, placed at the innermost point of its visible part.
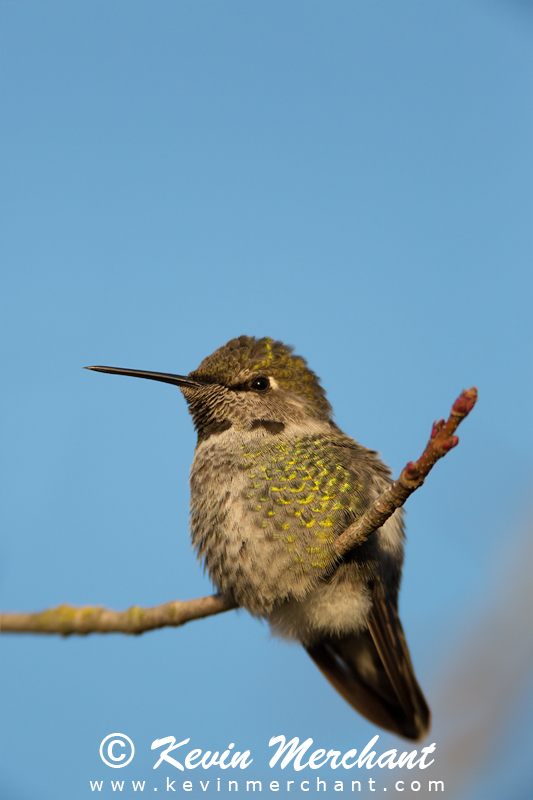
(274, 482)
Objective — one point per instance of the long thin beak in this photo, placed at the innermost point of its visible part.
(164, 377)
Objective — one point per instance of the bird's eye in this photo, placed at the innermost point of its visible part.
(260, 384)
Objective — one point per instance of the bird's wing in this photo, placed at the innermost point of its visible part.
(372, 670)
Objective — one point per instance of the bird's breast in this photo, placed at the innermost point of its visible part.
(265, 512)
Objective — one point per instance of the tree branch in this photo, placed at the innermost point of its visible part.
(95, 619)
(66, 620)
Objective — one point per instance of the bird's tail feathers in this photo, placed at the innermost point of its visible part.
(372, 670)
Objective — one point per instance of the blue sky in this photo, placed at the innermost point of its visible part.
(353, 178)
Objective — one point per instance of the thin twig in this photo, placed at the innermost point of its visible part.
(412, 476)
(66, 620)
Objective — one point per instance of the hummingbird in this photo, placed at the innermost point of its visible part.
(274, 482)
